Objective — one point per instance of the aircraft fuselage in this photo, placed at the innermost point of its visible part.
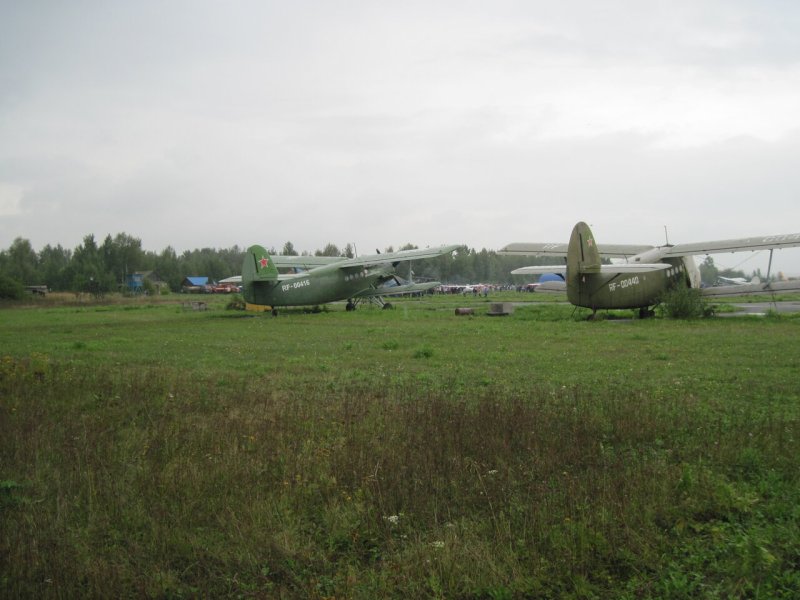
(630, 289)
(317, 287)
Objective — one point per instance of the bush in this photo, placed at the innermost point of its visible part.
(10, 289)
(236, 303)
(684, 303)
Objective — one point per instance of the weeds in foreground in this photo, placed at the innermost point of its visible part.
(152, 482)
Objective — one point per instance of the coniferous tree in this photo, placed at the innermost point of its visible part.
(21, 263)
(328, 250)
(53, 267)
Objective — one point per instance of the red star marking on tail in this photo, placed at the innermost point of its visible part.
(264, 262)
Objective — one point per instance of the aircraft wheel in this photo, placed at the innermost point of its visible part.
(274, 312)
(350, 306)
(387, 306)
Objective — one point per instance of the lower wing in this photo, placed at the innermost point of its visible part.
(398, 289)
(750, 289)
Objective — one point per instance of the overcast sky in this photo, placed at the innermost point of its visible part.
(211, 124)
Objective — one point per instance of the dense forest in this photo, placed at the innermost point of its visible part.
(104, 267)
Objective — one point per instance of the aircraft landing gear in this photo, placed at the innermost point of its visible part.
(274, 312)
(387, 305)
(350, 306)
(645, 313)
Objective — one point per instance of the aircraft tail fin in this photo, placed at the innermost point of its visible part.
(258, 266)
(582, 254)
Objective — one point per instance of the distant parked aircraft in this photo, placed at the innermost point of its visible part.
(738, 280)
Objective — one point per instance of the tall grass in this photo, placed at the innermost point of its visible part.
(146, 483)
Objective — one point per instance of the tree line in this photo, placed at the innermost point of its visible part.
(102, 268)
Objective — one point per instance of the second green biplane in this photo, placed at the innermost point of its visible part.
(316, 280)
(646, 271)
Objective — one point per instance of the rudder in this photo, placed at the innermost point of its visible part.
(583, 259)
(582, 253)
(258, 266)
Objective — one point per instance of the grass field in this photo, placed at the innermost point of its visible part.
(149, 450)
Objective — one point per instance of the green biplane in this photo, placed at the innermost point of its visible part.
(645, 273)
(316, 280)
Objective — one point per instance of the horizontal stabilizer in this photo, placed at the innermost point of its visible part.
(542, 270)
(634, 267)
(608, 269)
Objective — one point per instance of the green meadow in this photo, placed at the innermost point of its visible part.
(150, 450)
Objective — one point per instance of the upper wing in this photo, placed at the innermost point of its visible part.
(396, 257)
(768, 242)
(560, 249)
(306, 262)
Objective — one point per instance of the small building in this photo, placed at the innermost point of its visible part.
(135, 282)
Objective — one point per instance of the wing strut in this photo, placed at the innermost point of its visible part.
(769, 266)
